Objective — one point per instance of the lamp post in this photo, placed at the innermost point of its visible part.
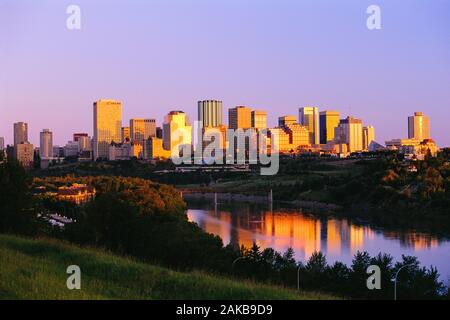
(396, 275)
(236, 260)
(298, 277)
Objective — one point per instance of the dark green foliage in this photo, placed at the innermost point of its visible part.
(16, 214)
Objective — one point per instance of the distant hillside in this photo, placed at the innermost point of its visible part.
(36, 269)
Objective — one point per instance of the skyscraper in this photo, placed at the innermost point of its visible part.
(350, 132)
(240, 118)
(259, 119)
(142, 129)
(309, 117)
(419, 126)
(210, 113)
(176, 120)
(46, 145)
(368, 136)
(107, 126)
(328, 121)
(20, 132)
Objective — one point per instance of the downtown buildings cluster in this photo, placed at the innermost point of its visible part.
(312, 131)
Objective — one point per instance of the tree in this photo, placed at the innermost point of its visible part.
(16, 214)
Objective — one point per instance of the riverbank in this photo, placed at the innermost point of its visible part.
(314, 206)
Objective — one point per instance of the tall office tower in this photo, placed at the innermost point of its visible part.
(142, 129)
(126, 134)
(350, 132)
(328, 120)
(107, 126)
(286, 120)
(2, 143)
(240, 118)
(419, 126)
(173, 121)
(46, 145)
(20, 132)
(259, 119)
(368, 136)
(24, 154)
(210, 113)
(309, 117)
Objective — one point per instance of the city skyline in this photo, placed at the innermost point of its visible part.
(305, 54)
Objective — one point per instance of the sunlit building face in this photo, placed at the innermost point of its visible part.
(107, 126)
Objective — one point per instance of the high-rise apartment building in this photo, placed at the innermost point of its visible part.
(176, 130)
(107, 126)
(24, 154)
(20, 132)
(46, 144)
(328, 122)
(259, 119)
(350, 132)
(419, 126)
(142, 129)
(210, 113)
(368, 137)
(240, 118)
(309, 117)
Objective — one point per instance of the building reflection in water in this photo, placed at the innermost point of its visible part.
(283, 229)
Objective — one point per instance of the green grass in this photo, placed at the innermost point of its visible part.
(36, 269)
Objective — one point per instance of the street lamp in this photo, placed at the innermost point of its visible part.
(395, 278)
(298, 277)
(236, 260)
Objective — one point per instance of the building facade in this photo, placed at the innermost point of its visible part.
(419, 126)
(107, 126)
(210, 113)
(142, 129)
(20, 133)
(259, 119)
(24, 154)
(309, 117)
(286, 120)
(177, 130)
(46, 144)
(328, 122)
(240, 118)
(350, 132)
(368, 137)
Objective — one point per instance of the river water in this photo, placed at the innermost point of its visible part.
(338, 238)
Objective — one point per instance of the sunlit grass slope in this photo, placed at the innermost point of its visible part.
(36, 269)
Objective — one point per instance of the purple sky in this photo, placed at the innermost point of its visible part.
(277, 55)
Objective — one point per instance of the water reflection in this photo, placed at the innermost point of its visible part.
(339, 239)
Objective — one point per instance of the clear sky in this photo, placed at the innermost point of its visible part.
(277, 55)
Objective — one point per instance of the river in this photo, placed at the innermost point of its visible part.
(338, 238)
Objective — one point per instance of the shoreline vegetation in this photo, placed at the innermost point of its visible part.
(315, 206)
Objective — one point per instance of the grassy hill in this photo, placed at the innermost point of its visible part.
(36, 269)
